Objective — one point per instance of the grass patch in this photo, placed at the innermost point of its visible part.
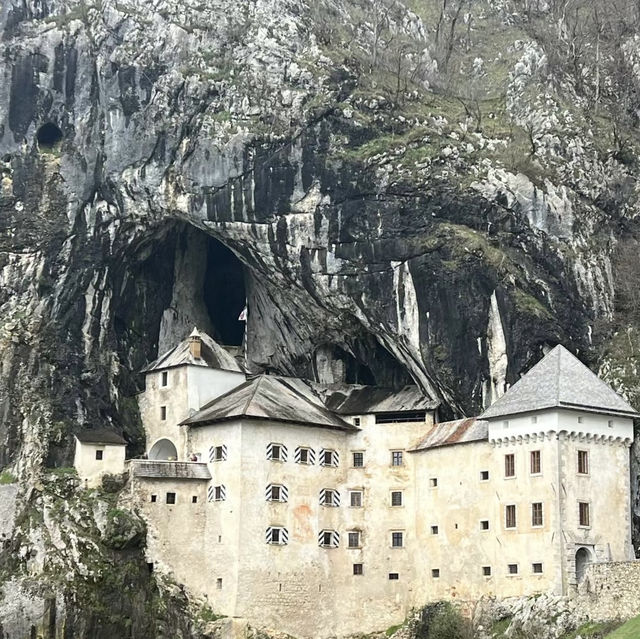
(7, 478)
(63, 471)
(500, 627)
(593, 630)
(628, 630)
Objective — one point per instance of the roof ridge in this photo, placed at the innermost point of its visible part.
(253, 394)
(320, 407)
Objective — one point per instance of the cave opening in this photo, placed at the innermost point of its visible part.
(48, 135)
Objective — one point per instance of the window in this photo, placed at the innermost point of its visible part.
(505, 423)
(435, 573)
(484, 475)
(433, 482)
(165, 378)
(397, 539)
(396, 458)
(536, 514)
(510, 465)
(484, 524)
(610, 423)
(277, 535)
(328, 539)
(276, 492)
(580, 419)
(584, 516)
(354, 539)
(397, 418)
(536, 568)
(355, 498)
(358, 460)
(328, 457)
(583, 462)
(217, 493)
(394, 576)
(194, 499)
(357, 569)
(305, 455)
(486, 571)
(171, 498)
(99, 455)
(356, 421)
(536, 466)
(329, 497)
(154, 499)
(510, 516)
(163, 412)
(217, 453)
(277, 452)
(512, 569)
(434, 530)
(534, 419)
(396, 498)
(219, 583)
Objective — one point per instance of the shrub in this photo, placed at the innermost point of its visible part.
(443, 621)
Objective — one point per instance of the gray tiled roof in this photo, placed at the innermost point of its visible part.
(351, 399)
(559, 380)
(460, 431)
(100, 436)
(169, 469)
(212, 356)
(271, 398)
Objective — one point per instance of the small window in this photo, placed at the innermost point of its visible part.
(329, 497)
(534, 419)
(435, 573)
(277, 452)
(219, 583)
(536, 464)
(154, 499)
(165, 378)
(484, 475)
(396, 458)
(610, 423)
(328, 539)
(486, 571)
(583, 462)
(484, 524)
(171, 498)
(512, 569)
(536, 514)
(354, 539)
(434, 530)
(277, 492)
(510, 465)
(99, 454)
(217, 453)
(163, 412)
(355, 498)
(357, 569)
(356, 422)
(397, 539)
(396, 498)
(217, 493)
(505, 423)
(305, 455)
(194, 499)
(536, 568)
(433, 482)
(358, 460)
(394, 576)
(328, 457)
(580, 419)
(510, 516)
(584, 514)
(277, 535)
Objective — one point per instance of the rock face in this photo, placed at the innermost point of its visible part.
(436, 196)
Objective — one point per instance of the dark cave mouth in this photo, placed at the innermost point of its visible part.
(48, 136)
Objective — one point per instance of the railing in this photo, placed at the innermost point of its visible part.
(160, 468)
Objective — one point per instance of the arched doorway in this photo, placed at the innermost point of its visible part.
(163, 449)
(583, 559)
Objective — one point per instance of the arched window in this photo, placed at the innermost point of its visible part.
(163, 450)
(583, 559)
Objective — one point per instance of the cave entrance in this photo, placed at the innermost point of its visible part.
(48, 136)
(163, 450)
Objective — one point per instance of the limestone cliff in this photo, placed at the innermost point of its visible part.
(433, 191)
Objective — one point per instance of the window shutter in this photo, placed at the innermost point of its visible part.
(212, 453)
(267, 492)
(312, 456)
(334, 458)
(283, 453)
(336, 498)
(322, 496)
(335, 538)
(296, 455)
(224, 452)
(284, 533)
(284, 493)
(223, 492)
(269, 451)
(211, 493)
(267, 536)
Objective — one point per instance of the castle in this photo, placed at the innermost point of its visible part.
(323, 510)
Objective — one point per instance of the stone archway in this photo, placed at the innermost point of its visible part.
(163, 450)
(583, 559)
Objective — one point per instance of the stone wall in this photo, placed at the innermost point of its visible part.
(610, 590)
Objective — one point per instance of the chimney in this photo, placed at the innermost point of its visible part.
(195, 344)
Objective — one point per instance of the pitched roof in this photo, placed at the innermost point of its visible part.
(100, 436)
(274, 398)
(362, 400)
(169, 469)
(559, 380)
(212, 356)
(460, 431)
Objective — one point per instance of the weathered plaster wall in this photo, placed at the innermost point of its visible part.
(90, 469)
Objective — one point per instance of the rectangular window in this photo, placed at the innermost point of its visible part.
(397, 539)
(397, 418)
(217, 453)
(154, 499)
(396, 498)
(165, 378)
(356, 421)
(276, 492)
(305, 455)
(510, 516)
(329, 497)
(358, 460)
(171, 498)
(194, 499)
(354, 539)
(217, 493)
(357, 569)
(536, 568)
(484, 524)
(394, 576)
(435, 573)
(484, 475)
(163, 412)
(433, 482)
(512, 569)
(219, 583)
(276, 535)
(486, 571)
(584, 515)
(536, 514)
(536, 466)
(277, 452)
(328, 457)
(99, 454)
(355, 499)
(329, 539)
(434, 530)
(396, 458)
(583, 462)
(510, 465)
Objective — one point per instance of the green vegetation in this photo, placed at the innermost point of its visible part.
(207, 615)
(629, 630)
(7, 478)
(393, 629)
(63, 471)
(442, 620)
(591, 630)
(498, 628)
